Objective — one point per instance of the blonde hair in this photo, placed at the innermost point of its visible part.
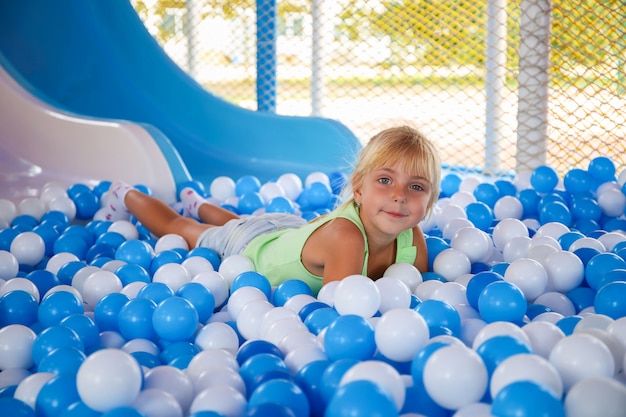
(405, 145)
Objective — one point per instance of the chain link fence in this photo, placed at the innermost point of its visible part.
(499, 86)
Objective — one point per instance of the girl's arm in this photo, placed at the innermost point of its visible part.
(421, 260)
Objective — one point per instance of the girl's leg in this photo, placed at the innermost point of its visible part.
(160, 219)
(209, 213)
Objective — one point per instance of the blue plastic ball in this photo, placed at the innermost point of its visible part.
(566, 239)
(262, 367)
(602, 169)
(135, 319)
(530, 202)
(16, 408)
(6, 237)
(128, 273)
(280, 204)
(568, 324)
(496, 349)
(318, 195)
(287, 289)
(87, 203)
(107, 311)
(349, 336)
(611, 300)
(526, 399)
(331, 377)
(284, 392)
(502, 301)
(208, 254)
(577, 181)
(309, 378)
(247, 184)
(64, 360)
(585, 208)
(200, 297)
(320, 318)
(506, 187)
(450, 184)
(600, 265)
(52, 338)
(135, 252)
(440, 316)
(163, 258)
(309, 308)
(361, 398)
(18, 307)
(337, 181)
(252, 279)
(263, 410)
(49, 234)
(72, 243)
(544, 179)
(175, 319)
(155, 291)
(480, 214)
(487, 193)
(256, 347)
(555, 211)
(250, 202)
(57, 306)
(86, 329)
(435, 245)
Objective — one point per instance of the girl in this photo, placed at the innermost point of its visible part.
(393, 187)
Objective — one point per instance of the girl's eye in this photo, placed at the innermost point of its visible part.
(417, 187)
(384, 180)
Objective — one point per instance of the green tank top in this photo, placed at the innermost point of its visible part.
(277, 255)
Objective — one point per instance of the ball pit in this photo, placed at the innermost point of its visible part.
(524, 312)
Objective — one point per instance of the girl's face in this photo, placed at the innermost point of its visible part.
(392, 200)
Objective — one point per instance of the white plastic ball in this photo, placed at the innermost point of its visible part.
(526, 367)
(217, 376)
(596, 396)
(28, 248)
(209, 359)
(250, 317)
(609, 240)
(109, 378)
(243, 296)
(406, 273)
(28, 389)
(593, 321)
(224, 400)
(32, 206)
(462, 198)
(131, 290)
(300, 356)
(449, 213)
(451, 263)
(452, 293)
(357, 294)
(217, 335)
(99, 284)
(617, 328)
(8, 211)
(455, 376)
(298, 301)
(587, 242)
(271, 190)
(234, 265)
(279, 329)
(58, 260)
(292, 184)
(197, 264)
(16, 342)
(450, 229)
(580, 356)
(154, 402)
(394, 293)
(469, 183)
(380, 373)
(316, 176)
(9, 265)
(400, 334)
(552, 229)
(173, 275)
(63, 204)
(529, 276)
(508, 207)
(273, 315)
(141, 345)
(64, 287)
(124, 228)
(612, 202)
(297, 339)
(473, 242)
(543, 336)
(557, 302)
(500, 328)
(426, 289)
(222, 187)
(611, 342)
(22, 284)
(214, 282)
(540, 252)
(565, 271)
(507, 229)
(516, 248)
(170, 241)
(173, 381)
(326, 294)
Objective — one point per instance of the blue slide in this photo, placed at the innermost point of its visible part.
(95, 58)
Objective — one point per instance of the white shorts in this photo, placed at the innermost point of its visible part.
(234, 236)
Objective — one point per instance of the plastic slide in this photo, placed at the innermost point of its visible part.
(95, 58)
(39, 144)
